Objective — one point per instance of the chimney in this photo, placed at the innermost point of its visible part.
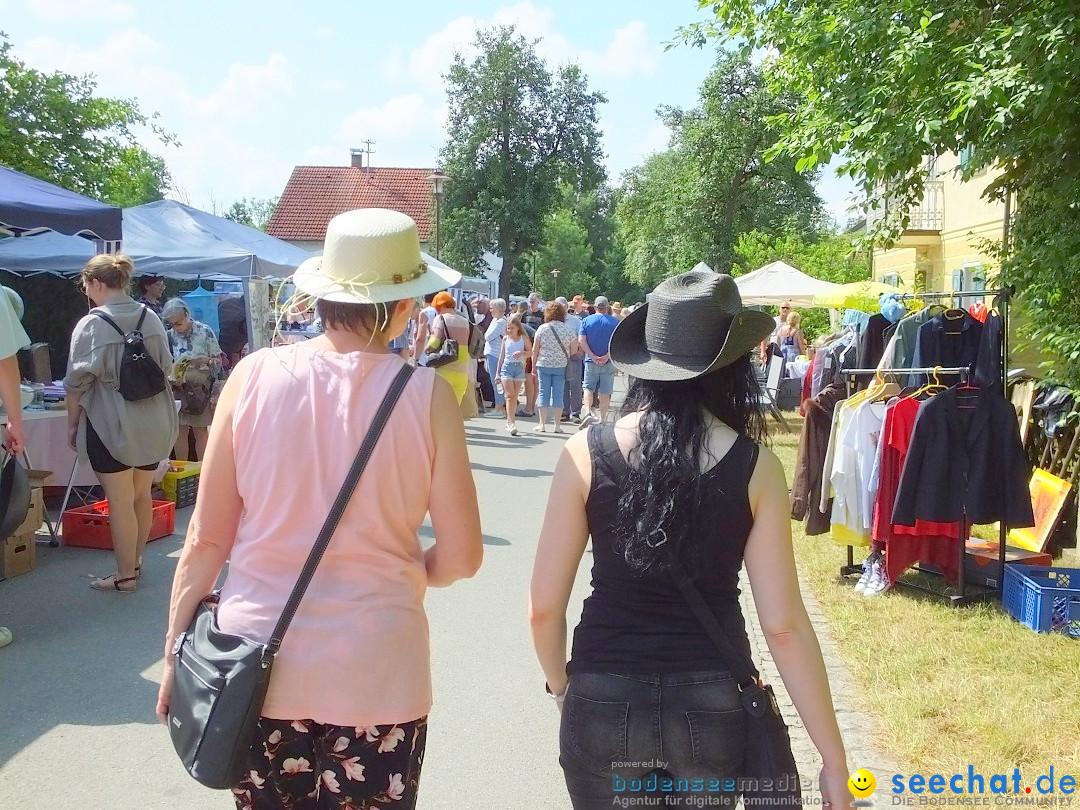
(356, 158)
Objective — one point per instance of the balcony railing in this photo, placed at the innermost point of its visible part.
(928, 215)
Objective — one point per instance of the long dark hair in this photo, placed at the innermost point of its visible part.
(661, 489)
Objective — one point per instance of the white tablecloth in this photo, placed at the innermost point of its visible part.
(47, 449)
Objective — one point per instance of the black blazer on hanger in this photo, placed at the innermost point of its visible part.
(965, 460)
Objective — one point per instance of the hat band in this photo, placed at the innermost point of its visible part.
(676, 358)
(402, 278)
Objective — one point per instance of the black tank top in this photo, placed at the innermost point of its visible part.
(640, 623)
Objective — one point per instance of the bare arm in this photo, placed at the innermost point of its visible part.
(421, 335)
(502, 358)
(455, 516)
(11, 396)
(212, 530)
(536, 350)
(770, 564)
(558, 556)
(585, 347)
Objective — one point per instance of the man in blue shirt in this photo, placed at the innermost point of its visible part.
(595, 340)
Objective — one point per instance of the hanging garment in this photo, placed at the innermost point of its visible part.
(978, 311)
(950, 340)
(807, 485)
(807, 385)
(846, 518)
(902, 351)
(965, 462)
(988, 361)
(834, 445)
(871, 346)
(928, 542)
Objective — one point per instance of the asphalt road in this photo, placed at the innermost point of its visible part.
(77, 686)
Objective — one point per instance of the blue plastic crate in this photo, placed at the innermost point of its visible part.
(1045, 599)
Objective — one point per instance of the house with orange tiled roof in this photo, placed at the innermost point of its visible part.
(316, 194)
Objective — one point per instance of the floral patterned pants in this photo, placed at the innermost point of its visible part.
(311, 766)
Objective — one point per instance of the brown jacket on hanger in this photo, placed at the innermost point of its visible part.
(806, 488)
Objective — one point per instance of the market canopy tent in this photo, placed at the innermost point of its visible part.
(169, 239)
(31, 206)
(778, 282)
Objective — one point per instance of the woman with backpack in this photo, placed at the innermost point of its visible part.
(121, 414)
(197, 358)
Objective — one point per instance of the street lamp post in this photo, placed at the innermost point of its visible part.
(438, 179)
(555, 275)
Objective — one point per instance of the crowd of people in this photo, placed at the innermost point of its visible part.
(677, 481)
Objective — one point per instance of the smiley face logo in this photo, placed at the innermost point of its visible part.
(862, 783)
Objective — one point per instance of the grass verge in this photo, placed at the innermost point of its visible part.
(949, 687)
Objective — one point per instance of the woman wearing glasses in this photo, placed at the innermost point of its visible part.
(197, 358)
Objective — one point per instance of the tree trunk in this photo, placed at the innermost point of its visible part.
(509, 262)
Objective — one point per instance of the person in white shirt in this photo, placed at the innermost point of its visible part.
(493, 338)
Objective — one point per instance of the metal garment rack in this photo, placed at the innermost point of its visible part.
(963, 596)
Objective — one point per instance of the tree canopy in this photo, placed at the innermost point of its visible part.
(54, 127)
(255, 212)
(882, 86)
(691, 202)
(516, 132)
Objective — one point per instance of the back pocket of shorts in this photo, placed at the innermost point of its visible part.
(718, 740)
(596, 730)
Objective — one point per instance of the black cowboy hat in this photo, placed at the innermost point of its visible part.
(693, 324)
(14, 496)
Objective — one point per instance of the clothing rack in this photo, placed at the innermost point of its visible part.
(1002, 297)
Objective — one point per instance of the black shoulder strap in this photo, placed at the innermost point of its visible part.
(142, 317)
(741, 669)
(338, 509)
(111, 322)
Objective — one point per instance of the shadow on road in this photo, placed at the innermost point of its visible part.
(427, 533)
(512, 472)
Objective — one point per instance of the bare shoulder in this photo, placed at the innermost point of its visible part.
(768, 475)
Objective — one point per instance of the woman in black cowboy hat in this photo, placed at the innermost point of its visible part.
(675, 496)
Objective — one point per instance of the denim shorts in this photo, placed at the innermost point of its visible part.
(620, 730)
(513, 370)
(600, 379)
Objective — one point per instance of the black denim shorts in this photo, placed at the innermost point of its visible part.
(679, 737)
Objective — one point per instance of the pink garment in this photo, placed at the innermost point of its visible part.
(357, 652)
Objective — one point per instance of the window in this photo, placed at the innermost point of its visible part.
(966, 154)
(970, 277)
(892, 279)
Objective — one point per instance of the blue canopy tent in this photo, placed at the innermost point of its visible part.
(165, 238)
(30, 206)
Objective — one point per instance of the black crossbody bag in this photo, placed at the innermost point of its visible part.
(220, 679)
(769, 776)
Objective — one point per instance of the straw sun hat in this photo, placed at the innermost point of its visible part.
(371, 256)
(694, 324)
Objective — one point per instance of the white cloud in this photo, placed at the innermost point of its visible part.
(393, 67)
(407, 131)
(323, 32)
(629, 52)
(245, 88)
(82, 10)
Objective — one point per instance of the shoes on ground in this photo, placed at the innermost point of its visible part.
(867, 571)
(512, 430)
(5, 637)
(558, 429)
(541, 428)
(879, 580)
(587, 420)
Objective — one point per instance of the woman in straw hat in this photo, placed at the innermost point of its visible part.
(345, 718)
(679, 484)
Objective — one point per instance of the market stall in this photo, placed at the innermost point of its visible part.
(29, 206)
(778, 282)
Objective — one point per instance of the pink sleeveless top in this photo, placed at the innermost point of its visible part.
(357, 652)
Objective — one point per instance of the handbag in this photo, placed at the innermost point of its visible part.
(769, 774)
(446, 354)
(194, 397)
(566, 353)
(477, 343)
(220, 679)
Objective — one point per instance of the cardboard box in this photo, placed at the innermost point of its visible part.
(35, 515)
(982, 566)
(20, 555)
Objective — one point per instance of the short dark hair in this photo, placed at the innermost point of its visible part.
(355, 317)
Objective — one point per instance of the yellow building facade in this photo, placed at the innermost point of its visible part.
(943, 247)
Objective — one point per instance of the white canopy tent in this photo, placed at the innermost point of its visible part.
(778, 282)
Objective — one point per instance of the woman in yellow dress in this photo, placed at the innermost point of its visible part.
(449, 323)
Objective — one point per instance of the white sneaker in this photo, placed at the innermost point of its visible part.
(586, 420)
(513, 430)
(867, 570)
(878, 583)
(558, 429)
(541, 428)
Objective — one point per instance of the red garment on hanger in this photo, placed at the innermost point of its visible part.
(926, 541)
(978, 311)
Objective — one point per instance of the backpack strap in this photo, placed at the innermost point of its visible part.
(113, 323)
(138, 326)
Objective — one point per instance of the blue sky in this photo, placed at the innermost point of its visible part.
(253, 88)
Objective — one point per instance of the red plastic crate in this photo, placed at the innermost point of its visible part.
(88, 526)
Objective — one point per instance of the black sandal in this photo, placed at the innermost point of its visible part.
(113, 583)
